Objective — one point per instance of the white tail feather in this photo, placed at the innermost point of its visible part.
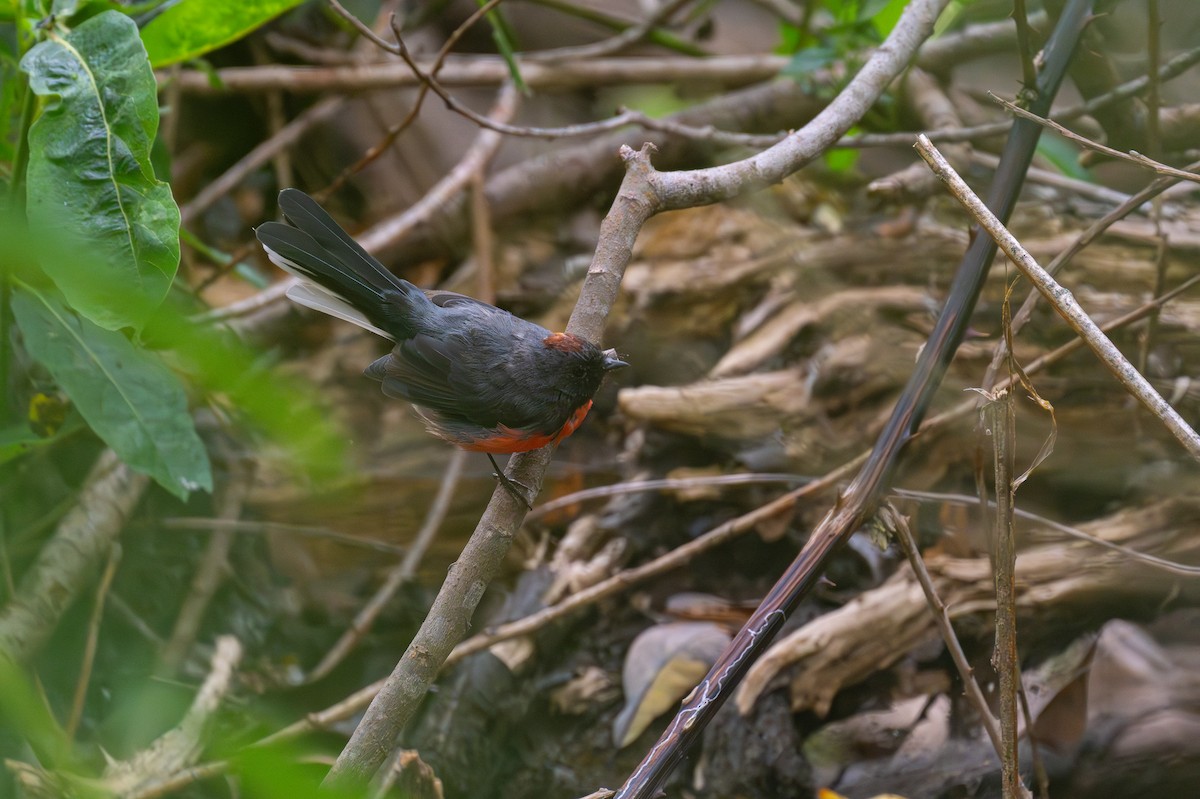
(310, 295)
(317, 297)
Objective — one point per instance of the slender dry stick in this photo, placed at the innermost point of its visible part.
(968, 500)
(662, 484)
(130, 617)
(1063, 302)
(1057, 180)
(941, 617)
(1153, 95)
(93, 636)
(1000, 418)
(259, 527)
(1131, 157)
(1156, 187)
(276, 121)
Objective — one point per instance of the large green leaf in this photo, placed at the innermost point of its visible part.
(130, 399)
(89, 175)
(191, 28)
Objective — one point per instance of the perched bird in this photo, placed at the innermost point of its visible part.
(481, 378)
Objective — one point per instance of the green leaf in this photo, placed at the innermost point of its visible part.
(130, 399)
(503, 36)
(191, 28)
(790, 39)
(841, 160)
(807, 61)
(884, 14)
(1064, 156)
(89, 176)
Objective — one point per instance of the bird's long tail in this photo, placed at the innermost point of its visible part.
(337, 276)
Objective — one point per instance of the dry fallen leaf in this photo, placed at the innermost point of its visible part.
(663, 664)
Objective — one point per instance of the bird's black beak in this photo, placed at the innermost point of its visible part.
(611, 361)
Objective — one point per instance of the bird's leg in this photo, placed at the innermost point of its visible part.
(512, 486)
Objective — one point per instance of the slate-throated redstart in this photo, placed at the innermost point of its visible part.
(481, 378)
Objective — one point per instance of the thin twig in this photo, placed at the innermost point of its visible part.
(93, 636)
(483, 241)
(755, 478)
(1056, 180)
(1131, 157)
(1023, 314)
(661, 484)
(567, 131)
(941, 618)
(1063, 302)
(1035, 746)
(966, 500)
(276, 121)
(1154, 147)
(122, 609)
(259, 527)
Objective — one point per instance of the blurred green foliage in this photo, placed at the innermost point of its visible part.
(100, 343)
